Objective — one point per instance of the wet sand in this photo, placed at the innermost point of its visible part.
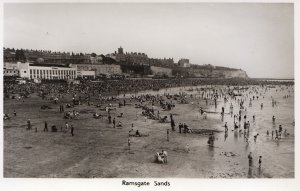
(99, 150)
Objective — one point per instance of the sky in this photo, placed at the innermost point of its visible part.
(255, 37)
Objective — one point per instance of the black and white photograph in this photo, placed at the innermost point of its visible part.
(147, 93)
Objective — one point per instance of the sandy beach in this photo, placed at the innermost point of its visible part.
(98, 150)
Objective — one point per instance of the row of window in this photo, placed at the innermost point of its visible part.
(10, 72)
(52, 77)
(52, 72)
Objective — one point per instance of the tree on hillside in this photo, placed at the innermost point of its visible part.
(20, 55)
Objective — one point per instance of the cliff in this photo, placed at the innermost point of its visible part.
(235, 74)
(217, 72)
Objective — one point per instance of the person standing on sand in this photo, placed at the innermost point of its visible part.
(165, 155)
(187, 148)
(114, 122)
(72, 130)
(255, 137)
(172, 122)
(109, 119)
(28, 124)
(66, 127)
(185, 128)
(276, 133)
(46, 126)
(180, 126)
(250, 158)
(167, 134)
(15, 113)
(226, 128)
(259, 161)
(280, 129)
(128, 141)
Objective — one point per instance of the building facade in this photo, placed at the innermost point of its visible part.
(99, 68)
(86, 74)
(29, 71)
(183, 62)
(10, 69)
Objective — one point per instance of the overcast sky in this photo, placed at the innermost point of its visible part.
(258, 38)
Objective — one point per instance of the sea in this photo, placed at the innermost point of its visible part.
(278, 155)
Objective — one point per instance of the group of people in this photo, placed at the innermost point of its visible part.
(250, 158)
(96, 92)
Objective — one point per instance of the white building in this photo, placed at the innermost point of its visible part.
(99, 68)
(183, 62)
(46, 72)
(86, 74)
(10, 69)
(186, 65)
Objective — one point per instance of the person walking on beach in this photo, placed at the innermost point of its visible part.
(187, 148)
(114, 122)
(255, 137)
(180, 126)
(280, 129)
(167, 134)
(129, 143)
(28, 124)
(226, 128)
(185, 128)
(250, 158)
(15, 113)
(276, 133)
(72, 130)
(109, 119)
(211, 139)
(165, 155)
(46, 126)
(225, 136)
(259, 161)
(204, 115)
(66, 127)
(172, 122)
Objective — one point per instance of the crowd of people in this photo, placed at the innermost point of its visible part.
(105, 92)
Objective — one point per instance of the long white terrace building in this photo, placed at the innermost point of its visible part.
(32, 71)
